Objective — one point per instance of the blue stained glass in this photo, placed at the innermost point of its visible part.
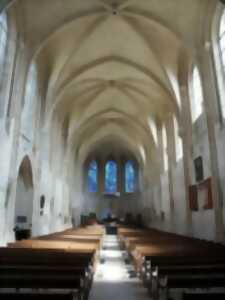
(110, 177)
(92, 177)
(129, 177)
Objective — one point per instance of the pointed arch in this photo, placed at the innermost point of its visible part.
(24, 196)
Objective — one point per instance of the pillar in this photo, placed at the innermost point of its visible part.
(210, 100)
(186, 135)
(171, 163)
(101, 176)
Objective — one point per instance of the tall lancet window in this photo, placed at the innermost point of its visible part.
(129, 177)
(111, 177)
(3, 38)
(28, 116)
(93, 177)
(3, 46)
(196, 96)
(178, 141)
(222, 38)
(165, 153)
(222, 52)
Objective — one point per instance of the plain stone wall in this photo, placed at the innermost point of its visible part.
(179, 198)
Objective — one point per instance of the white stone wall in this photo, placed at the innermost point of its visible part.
(22, 135)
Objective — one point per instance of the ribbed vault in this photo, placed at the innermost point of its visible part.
(111, 66)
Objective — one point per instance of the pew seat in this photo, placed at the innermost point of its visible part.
(34, 296)
(204, 296)
(167, 261)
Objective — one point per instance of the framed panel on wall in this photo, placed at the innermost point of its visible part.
(206, 186)
(199, 172)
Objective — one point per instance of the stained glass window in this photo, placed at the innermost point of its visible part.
(129, 177)
(93, 177)
(111, 177)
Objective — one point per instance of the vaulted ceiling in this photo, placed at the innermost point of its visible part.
(110, 67)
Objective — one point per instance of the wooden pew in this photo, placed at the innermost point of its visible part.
(59, 262)
(83, 235)
(56, 244)
(54, 269)
(33, 296)
(87, 231)
(204, 296)
(75, 238)
(43, 281)
(186, 276)
(167, 260)
(43, 256)
(75, 247)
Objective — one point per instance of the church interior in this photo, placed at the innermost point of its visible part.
(112, 165)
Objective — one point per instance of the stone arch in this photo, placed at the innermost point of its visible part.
(24, 198)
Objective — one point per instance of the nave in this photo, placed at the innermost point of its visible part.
(112, 106)
(112, 111)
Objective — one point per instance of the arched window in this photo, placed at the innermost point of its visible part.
(129, 177)
(30, 102)
(111, 177)
(3, 45)
(165, 154)
(222, 38)
(178, 141)
(222, 53)
(153, 127)
(196, 95)
(3, 39)
(93, 177)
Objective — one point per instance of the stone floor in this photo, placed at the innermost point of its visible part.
(114, 279)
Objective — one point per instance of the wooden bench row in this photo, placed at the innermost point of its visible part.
(167, 261)
(51, 265)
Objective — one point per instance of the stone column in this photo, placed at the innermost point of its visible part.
(101, 176)
(171, 163)
(17, 95)
(210, 100)
(160, 159)
(185, 126)
(120, 175)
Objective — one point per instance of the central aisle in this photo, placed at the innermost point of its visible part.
(114, 279)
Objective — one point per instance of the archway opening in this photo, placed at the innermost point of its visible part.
(24, 201)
